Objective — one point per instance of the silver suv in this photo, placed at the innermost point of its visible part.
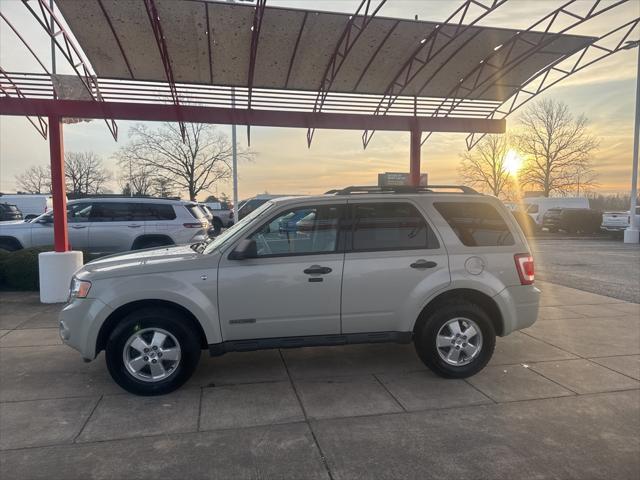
(113, 224)
(446, 271)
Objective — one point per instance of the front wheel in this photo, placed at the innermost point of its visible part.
(153, 351)
(456, 341)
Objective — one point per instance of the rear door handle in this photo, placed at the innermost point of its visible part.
(134, 226)
(420, 264)
(77, 227)
(317, 269)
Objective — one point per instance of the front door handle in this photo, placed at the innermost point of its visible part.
(317, 269)
(134, 226)
(420, 264)
(77, 227)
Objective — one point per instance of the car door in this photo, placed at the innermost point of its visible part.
(292, 287)
(113, 227)
(392, 259)
(77, 227)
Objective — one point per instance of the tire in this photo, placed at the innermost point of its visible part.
(143, 324)
(426, 336)
(217, 226)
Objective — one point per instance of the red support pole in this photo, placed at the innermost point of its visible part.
(58, 189)
(414, 165)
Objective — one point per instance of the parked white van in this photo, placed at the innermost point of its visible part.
(31, 205)
(537, 206)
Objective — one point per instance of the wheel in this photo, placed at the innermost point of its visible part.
(456, 341)
(152, 351)
(217, 226)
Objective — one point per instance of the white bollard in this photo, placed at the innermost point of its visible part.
(631, 235)
(56, 270)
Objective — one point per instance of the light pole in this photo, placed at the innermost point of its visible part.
(631, 234)
(234, 147)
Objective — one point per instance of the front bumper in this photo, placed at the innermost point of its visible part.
(80, 322)
(519, 306)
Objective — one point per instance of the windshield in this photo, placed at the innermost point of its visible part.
(231, 232)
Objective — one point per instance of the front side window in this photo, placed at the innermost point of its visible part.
(390, 226)
(305, 230)
(78, 212)
(476, 224)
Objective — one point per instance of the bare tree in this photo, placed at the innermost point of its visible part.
(485, 168)
(36, 179)
(162, 187)
(194, 165)
(557, 147)
(136, 178)
(84, 173)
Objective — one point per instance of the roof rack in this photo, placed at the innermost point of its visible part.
(403, 189)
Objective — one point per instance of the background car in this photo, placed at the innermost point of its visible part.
(616, 223)
(222, 213)
(249, 205)
(9, 212)
(572, 220)
(537, 206)
(114, 224)
(31, 205)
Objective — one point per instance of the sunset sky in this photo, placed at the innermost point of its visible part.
(605, 93)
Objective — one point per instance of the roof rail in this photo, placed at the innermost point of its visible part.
(402, 189)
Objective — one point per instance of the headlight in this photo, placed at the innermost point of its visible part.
(79, 288)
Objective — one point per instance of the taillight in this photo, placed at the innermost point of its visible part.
(524, 266)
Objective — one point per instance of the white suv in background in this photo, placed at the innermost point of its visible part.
(113, 224)
(446, 271)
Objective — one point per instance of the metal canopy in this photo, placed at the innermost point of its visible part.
(211, 43)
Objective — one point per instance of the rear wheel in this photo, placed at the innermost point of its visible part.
(217, 226)
(152, 351)
(456, 341)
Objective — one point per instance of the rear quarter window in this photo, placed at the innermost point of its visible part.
(195, 211)
(476, 224)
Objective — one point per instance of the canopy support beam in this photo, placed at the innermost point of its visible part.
(58, 187)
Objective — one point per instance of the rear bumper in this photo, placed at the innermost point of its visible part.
(613, 228)
(519, 306)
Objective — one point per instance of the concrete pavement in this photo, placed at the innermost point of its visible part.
(558, 400)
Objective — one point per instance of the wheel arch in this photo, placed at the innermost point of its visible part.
(139, 241)
(11, 241)
(119, 313)
(476, 297)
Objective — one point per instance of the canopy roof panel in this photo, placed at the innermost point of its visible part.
(210, 43)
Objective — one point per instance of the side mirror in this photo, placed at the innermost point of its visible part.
(46, 220)
(247, 248)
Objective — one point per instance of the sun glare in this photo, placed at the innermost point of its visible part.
(512, 162)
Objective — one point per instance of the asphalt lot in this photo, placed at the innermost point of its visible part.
(560, 400)
(593, 263)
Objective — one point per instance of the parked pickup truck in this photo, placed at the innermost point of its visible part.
(617, 222)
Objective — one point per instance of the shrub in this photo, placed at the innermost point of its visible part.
(19, 269)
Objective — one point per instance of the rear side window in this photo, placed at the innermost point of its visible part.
(390, 226)
(111, 212)
(476, 224)
(145, 212)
